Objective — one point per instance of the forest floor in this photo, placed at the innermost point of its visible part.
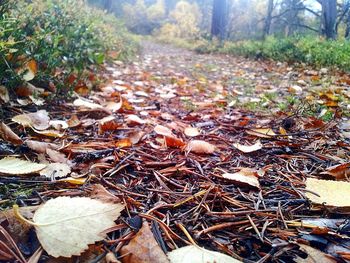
(247, 158)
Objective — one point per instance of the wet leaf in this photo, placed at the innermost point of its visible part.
(83, 218)
(195, 254)
(14, 166)
(143, 248)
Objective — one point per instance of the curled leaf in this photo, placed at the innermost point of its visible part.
(248, 148)
(8, 135)
(38, 120)
(198, 146)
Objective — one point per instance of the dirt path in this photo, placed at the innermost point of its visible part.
(200, 146)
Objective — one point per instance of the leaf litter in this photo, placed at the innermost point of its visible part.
(177, 142)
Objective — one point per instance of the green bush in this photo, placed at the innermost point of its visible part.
(64, 38)
(313, 51)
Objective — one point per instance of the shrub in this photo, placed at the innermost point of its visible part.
(61, 39)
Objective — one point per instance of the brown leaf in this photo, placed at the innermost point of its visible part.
(198, 146)
(143, 248)
(97, 191)
(340, 171)
(108, 123)
(56, 156)
(8, 135)
(41, 147)
(162, 130)
(174, 142)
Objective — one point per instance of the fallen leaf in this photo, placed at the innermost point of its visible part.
(261, 133)
(111, 258)
(59, 125)
(40, 147)
(330, 193)
(108, 123)
(8, 135)
(49, 133)
(134, 120)
(143, 248)
(174, 142)
(114, 106)
(4, 94)
(38, 120)
(83, 218)
(97, 191)
(74, 181)
(246, 176)
(123, 143)
(86, 104)
(136, 136)
(56, 156)
(162, 130)
(191, 132)
(14, 166)
(198, 146)
(248, 148)
(314, 256)
(55, 170)
(195, 254)
(340, 171)
(73, 121)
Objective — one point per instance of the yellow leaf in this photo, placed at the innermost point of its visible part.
(262, 132)
(330, 193)
(39, 120)
(14, 166)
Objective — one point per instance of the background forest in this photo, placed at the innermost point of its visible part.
(287, 30)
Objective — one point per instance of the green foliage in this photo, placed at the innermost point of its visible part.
(142, 19)
(63, 37)
(313, 51)
(185, 22)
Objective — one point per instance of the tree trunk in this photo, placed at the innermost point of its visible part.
(347, 30)
(329, 18)
(219, 19)
(268, 19)
(107, 5)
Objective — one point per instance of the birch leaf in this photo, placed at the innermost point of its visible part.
(195, 254)
(14, 166)
(330, 193)
(66, 226)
